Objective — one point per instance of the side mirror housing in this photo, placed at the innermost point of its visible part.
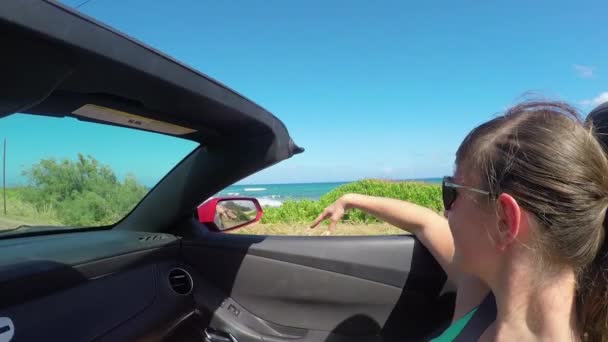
(228, 213)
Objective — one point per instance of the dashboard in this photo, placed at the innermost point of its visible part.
(97, 286)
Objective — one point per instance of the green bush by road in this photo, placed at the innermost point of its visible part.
(83, 192)
(79, 192)
(303, 211)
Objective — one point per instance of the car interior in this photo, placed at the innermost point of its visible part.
(162, 273)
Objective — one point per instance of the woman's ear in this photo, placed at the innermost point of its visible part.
(509, 216)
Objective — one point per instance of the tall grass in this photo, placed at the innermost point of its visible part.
(80, 192)
(304, 211)
(23, 212)
(299, 229)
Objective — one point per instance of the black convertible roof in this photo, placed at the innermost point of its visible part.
(56, 61)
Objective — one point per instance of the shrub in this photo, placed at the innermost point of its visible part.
(80, 193)
(427, 195)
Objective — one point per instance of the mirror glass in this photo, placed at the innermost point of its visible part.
(233, 213)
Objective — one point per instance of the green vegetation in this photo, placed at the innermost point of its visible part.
(21, 212)
(73, 193)
(240, 213)
(83, 192)
(301, 229)
(305, 211)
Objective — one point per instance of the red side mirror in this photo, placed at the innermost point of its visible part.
(227, 213)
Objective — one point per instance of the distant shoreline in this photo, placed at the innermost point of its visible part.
(430, 180)
(274, 195)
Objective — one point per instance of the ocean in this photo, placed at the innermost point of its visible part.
(275, 194)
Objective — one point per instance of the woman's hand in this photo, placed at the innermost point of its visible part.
(334, 213)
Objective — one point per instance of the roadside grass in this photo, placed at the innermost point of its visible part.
(300, 229)
(305, 211)
(291, 218)
(20, 212)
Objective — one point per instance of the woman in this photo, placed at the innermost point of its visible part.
(524, 222)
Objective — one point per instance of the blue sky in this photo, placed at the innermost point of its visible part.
(371, 89)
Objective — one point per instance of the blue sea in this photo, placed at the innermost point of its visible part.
(276, 194)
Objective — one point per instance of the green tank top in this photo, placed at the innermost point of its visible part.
(453, 330)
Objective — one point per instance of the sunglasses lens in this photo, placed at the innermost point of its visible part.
(449, 196)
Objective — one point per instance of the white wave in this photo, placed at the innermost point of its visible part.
(255, 189)
(233, 194)
(267, 202)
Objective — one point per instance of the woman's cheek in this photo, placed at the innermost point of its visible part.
(456, 232)
(462, 242)
(454, 224)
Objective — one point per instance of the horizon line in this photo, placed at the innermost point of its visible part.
(350, 181)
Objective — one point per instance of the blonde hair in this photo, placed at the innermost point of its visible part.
(543, 155)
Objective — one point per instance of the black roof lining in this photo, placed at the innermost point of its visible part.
(143, 45)
(90, 63)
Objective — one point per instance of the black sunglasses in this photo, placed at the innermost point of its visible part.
(449, 191)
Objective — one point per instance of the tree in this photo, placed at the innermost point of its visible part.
(82, 192)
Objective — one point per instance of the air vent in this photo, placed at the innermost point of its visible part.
(152, 237)
(180, 281)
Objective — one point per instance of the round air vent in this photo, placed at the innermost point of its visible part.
(180, 281)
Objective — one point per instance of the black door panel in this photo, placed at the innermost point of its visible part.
(324, 299)
(384, 259)
(305, 297)
(115, 287)
(317, 288)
